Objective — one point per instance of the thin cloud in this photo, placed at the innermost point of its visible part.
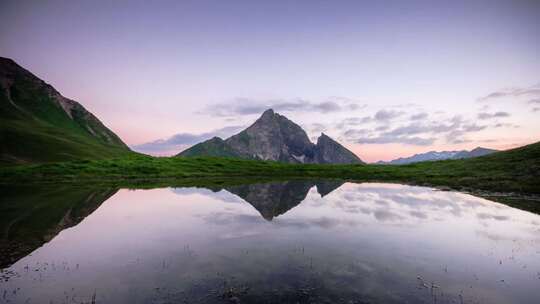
(353, 121)
(486, 115)
(384, 139)
(419, 116)
(317, 127)
(248, 106)
(417, 132)
(386, 115)
(181, 141)
(357, 132)
(513, 92)
(473, 127)
(505, 125)
(381, 116)
(411, 129)
(457, 137)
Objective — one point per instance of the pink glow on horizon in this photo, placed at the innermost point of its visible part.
(151, 71)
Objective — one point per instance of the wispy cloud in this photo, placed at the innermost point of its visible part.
(419, 116)
(180, 141)
(385, 139)
(505, 125)
(317, 127)
(513, 92)
(419, 131)
(486, 115)
(353, 121)
(249, 106)
(386, 115)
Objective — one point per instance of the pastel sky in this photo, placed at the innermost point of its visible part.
(385, 78)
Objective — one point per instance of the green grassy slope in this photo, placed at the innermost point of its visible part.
(215, 147)
(40, 142)
(34, 127)
(516, 170)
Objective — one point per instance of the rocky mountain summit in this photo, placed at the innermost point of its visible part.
(274, 137)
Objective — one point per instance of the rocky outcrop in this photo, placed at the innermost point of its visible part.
(274, 137)
(328, 151)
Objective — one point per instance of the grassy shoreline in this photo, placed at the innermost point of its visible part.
(516, 171)
(511, 177)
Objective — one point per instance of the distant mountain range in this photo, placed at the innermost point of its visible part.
(274, 137)
(434, 156)
(38, 124)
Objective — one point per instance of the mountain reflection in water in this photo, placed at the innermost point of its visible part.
(279, 242)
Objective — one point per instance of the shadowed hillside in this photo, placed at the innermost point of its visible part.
(37, 124)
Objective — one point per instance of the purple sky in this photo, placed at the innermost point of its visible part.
(386, 78)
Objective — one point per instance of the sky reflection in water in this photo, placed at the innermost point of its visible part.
(285, 242)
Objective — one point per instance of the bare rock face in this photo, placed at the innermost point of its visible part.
(328, 151)
(274, 137)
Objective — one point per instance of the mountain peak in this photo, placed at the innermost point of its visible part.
(331, 152)
(323, 137)
(4, 60)
(275, 137)
(480, 149)
(269, 112)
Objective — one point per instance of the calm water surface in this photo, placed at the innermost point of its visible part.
(288, 242)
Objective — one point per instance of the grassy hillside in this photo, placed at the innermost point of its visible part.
(41, 142)
(215, 147)
(37, 124)
(516, 170)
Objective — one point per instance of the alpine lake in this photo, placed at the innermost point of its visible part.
(322, 241)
